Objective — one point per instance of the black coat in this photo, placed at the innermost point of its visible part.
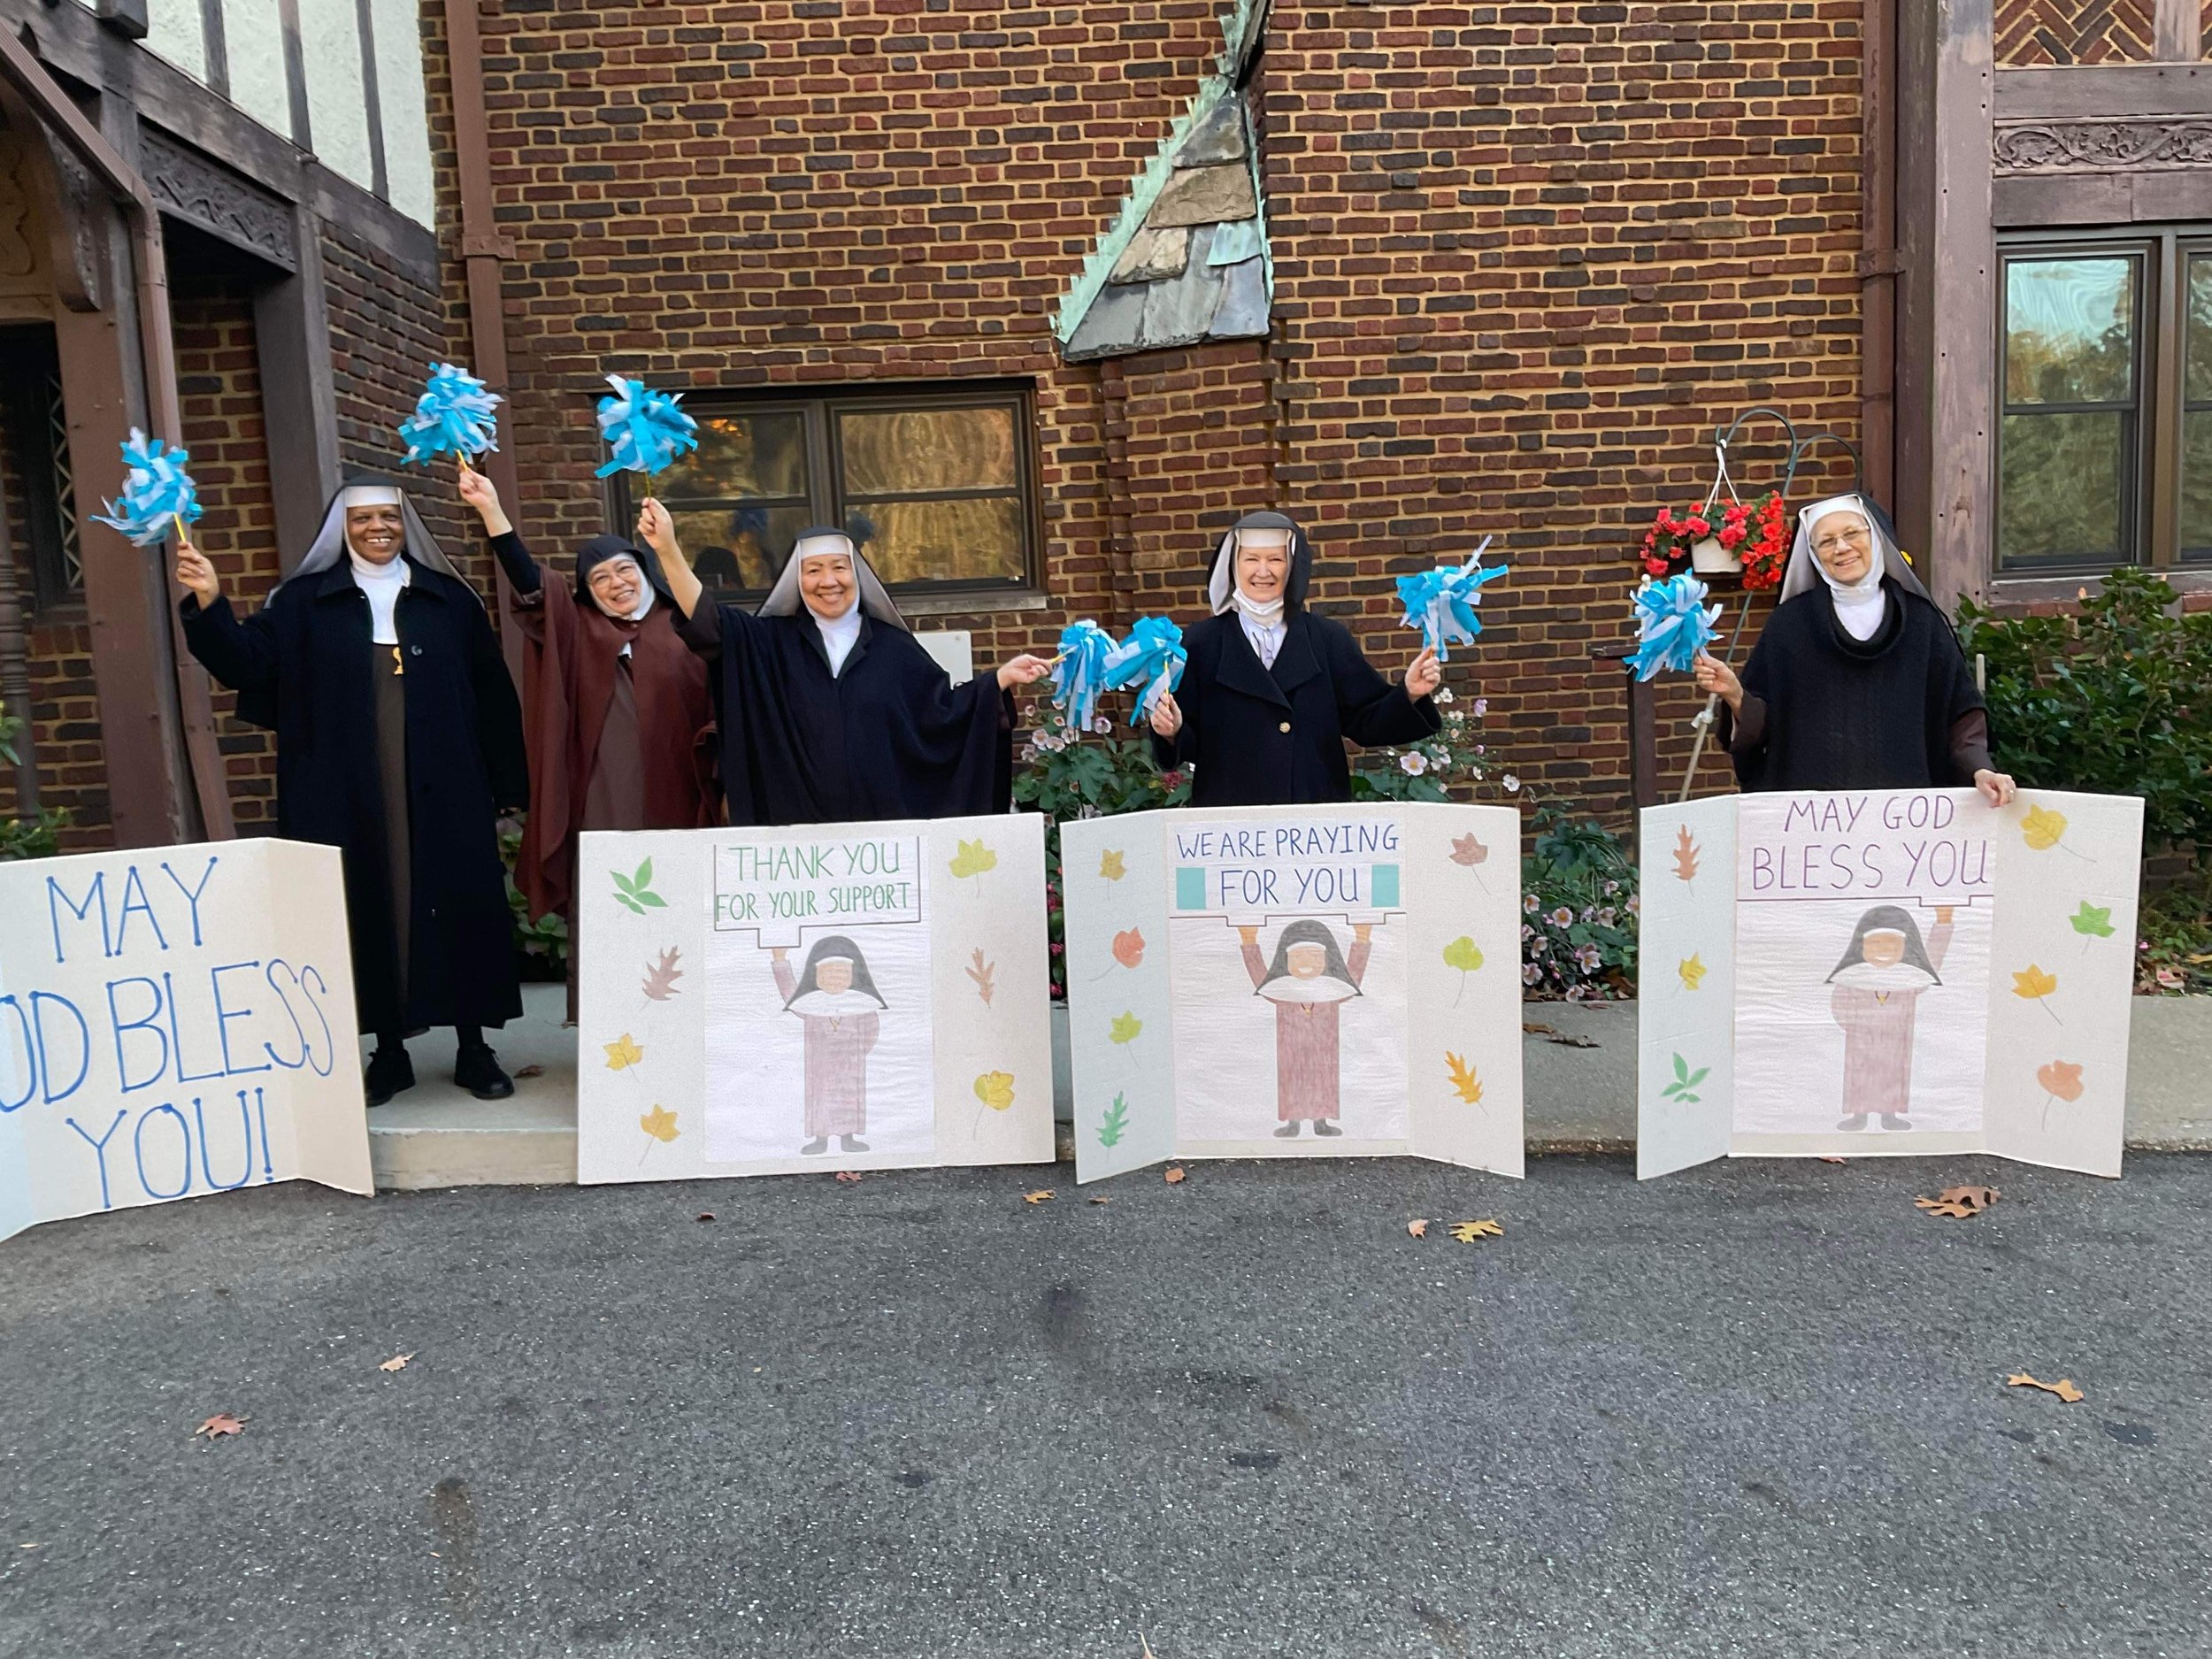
(1262, 737)
(1823, 711)
(301, 666)
(888, 737)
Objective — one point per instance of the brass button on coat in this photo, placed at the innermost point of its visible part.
(1285, 726)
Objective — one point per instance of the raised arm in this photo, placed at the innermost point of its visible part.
(523, 572)
(658, 531)
(241, 654)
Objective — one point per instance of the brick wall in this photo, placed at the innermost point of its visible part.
(218, 385)
(1526, 257)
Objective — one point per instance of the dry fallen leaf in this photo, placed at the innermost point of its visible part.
(398, 1362)
(1468, 1232)
(529, 1071)
(1831, 1159)
(1038, 1197)
(1418, 1229)
(1175, 1177)
(2063, 1387)
(221, 1424)
(1959, 1203)
(848, 1176)
(706, 1214)
(1101, 1201)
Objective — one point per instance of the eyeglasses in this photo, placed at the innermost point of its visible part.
(1860, 537)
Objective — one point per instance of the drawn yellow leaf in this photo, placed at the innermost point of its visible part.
(996, 1089)
(2034, 983)
(1691, 969)
(660, 1123)
(974, 858)
(1465, 1084)
(1111, 867)
(2042, 828)
(2063, 1387)
(622, 1053)
(1468, 1232)
(1125, 1028)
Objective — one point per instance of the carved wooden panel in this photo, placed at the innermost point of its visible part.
(2065, 32)
(2102, 146)
(206, 193)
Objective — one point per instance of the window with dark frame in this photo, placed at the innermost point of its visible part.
(2104, 439)
(34, 430)
(937, 485)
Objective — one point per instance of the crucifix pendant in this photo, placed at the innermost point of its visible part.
(398, 668)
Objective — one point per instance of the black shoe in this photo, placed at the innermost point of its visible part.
(1322, 1126)
(815, 1148)
(852, 1143)
(1288, 1131)
(1892, 1120)
(476, 1069)
(390, 1070)
(1857, 1121)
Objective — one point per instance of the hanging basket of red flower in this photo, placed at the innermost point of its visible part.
(1727, 535)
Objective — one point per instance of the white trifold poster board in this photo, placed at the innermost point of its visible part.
(1332, 980)
(1886, 972)
(174, 1022)
(827, 996)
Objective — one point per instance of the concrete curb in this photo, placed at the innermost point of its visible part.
(1579, 1078)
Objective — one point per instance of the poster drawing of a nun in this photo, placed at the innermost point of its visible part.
(1876, 999)
(1307, 981)
(835, 997)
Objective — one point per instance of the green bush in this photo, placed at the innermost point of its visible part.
(2115, 699)
(1579, 906)
(540, 942)
(17, 838)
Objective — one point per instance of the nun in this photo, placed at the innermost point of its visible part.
(834, 997)
(398, 742)
(1307, 981)
(619, 721)
(1857, 682)
(1271, 690)
(828, 710)
(1876, 999)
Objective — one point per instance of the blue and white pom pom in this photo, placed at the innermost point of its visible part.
(1151, 658)
(644, 429)
(158, 495)
(1441, 601)
(1079, 673)
(457, 415)
(1672, 625)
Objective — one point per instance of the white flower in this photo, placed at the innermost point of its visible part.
(1512, 784)
(1482, 707)
(1029, 753)
(1050, 744)
(1442, 694)
(1561, 918)
(1634, 905)
(1531, 973)
(1605, 916)
(1589, 958)
(1530, 903)
(1611, 888)
(1102, 726)
(1413, 762)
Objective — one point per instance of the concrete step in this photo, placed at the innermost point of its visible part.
(1579, 1078)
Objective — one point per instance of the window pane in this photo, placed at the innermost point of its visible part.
(2062, 489)
(740, 550)
(941, 540)
(2198, 344)
(740, 456)
(889, 451)
(2196, 484)
(2068, 330)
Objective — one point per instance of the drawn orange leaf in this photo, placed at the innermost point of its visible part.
(981, 973)
(1465, 1084)
(1684, 855)
(2061, 1078)
(1467, 850)
(1129, 948)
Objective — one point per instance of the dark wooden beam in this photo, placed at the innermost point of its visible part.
(2026, 201)
(299, 399)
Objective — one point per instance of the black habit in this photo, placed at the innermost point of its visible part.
(887, 737)
(1257, 736)
(303, 665)
(1823, 711)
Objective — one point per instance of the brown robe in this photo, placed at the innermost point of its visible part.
(614, 744)
(1308, 1070)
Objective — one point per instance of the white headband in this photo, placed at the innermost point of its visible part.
(819, 546)
(369, 496)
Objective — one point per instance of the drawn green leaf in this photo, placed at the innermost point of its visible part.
(1116, 1119)
(621, 881)
(653, 899)
(629, 904)
(1696, 1077)
(1681, 1071)
(2091, 923)
(644, 876)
